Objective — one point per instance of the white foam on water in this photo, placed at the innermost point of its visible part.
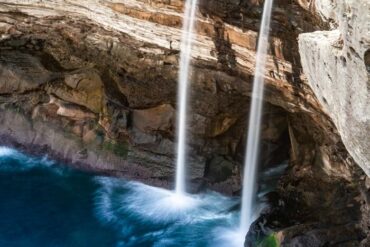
(6, 151)
(157, 204)
(229, 237)
(169, 217)
(13, 160)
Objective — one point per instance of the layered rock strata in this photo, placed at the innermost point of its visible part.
(94, 83)
(113, 67)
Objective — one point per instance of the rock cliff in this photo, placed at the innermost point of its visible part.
(94, 83)
(107, 72)
(336, 63)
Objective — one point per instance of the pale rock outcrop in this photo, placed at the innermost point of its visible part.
(336, 66)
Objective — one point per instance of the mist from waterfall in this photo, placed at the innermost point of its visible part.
(183, 80)
(254, 127)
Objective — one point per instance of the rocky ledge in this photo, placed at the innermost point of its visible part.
(94, 83)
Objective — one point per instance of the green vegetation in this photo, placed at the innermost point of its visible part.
(269, 241)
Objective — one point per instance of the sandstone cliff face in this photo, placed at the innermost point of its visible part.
(108, 73)
(336, 63)
(94, 83)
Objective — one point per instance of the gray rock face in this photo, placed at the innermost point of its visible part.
(336, 65)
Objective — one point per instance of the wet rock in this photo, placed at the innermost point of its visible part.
(219, 169)
(342, 235)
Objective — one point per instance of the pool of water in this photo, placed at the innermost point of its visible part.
(44, 204)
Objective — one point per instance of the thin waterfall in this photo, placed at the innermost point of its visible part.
(254, 128)
(183, 80)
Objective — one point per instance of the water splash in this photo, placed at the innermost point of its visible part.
(150, 216)
(147, 203)
(5, 151)
(12, 160)
(254, 128)
(106, 211)
(185, 57)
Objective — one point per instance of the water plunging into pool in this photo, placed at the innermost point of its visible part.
(183, 80)
(254, 128)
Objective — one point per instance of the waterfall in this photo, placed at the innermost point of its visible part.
(185, 58)
(254, 128)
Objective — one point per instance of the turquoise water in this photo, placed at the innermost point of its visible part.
(44, 204)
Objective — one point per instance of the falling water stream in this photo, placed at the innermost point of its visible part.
(185, 58)
(254, 128)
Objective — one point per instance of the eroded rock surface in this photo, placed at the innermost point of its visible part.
(336, 66)
(108, 74)
(94, 83)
